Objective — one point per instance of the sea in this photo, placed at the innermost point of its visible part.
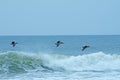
(38, 57)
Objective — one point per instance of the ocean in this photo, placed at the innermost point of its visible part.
(38, 58)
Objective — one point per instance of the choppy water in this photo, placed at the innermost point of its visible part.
(37, 58)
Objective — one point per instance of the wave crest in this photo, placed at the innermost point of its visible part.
(14, 62)
(19, 62)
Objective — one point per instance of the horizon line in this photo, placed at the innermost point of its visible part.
(69, 35)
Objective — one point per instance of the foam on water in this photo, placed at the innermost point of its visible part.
(45, 66)
(14, 62)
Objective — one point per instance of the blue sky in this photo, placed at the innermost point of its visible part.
(59, 17)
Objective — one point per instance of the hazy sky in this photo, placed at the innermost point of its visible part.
(59, 17)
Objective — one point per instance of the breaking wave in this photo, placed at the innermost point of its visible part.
(21, 62)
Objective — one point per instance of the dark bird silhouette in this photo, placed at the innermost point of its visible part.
(84, 47)
(58, 43)
(13, 43)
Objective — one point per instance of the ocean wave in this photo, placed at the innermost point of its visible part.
(21, 62)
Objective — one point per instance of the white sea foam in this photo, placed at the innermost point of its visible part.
(94, 66)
